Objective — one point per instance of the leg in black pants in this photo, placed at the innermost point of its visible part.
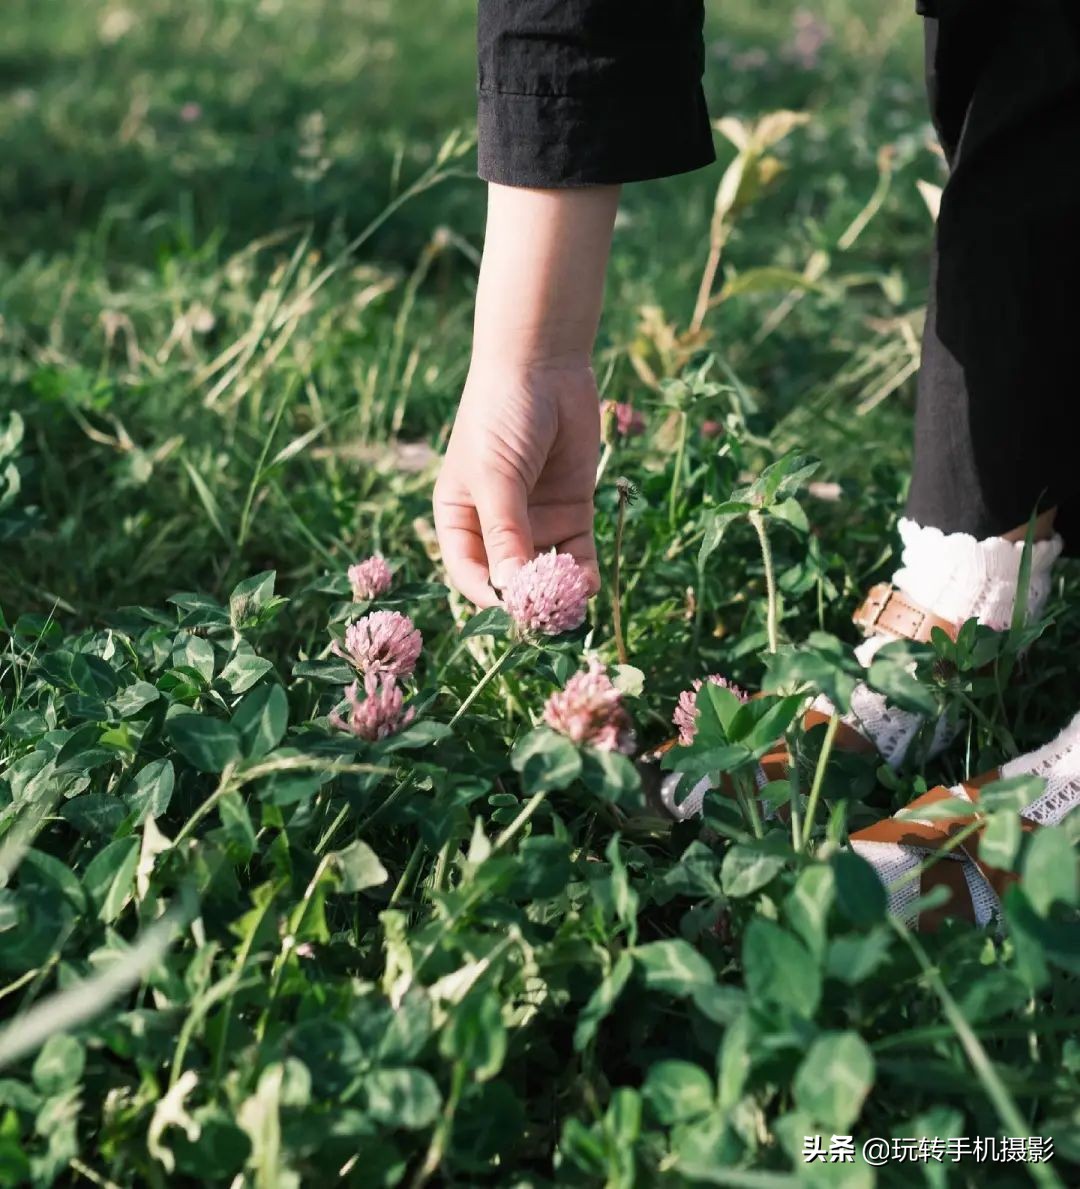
(997, 385)
(999, 379)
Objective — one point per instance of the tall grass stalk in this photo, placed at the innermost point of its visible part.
(676, 478)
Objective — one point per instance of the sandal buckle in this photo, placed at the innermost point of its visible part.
(873, 607)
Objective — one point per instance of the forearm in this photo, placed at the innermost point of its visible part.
(541, 285)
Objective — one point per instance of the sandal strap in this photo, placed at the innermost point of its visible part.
(928, 835)
(888, 612)
(934, 835)
(959, 903)
(847, 737)
(947, 872)
(997, 877)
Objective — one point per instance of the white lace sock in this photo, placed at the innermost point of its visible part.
(892, 861)
(683, 805)
(690, 804)
(1058, 763)
(957, 578)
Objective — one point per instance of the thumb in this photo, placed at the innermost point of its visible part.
(503, 510)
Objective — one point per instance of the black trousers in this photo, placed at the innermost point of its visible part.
(996, 421)
(586, 92)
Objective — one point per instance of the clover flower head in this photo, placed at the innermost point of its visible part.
(382, 642)
(548, 595)
(379, 713)
(810, 34)
(686, 712)
(588, 710)
(370, 578)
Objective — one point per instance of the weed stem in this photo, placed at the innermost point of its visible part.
(332, 829)
(442, 865)
(407, 874)
(717, 238)
(819, 776)
(935, 856)
(758, 521)
(793, 803)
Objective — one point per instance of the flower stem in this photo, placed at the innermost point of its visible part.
(758, 521)
(623, 489)
(819, 777)
(488, 677)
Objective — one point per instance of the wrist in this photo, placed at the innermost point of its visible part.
(490, 374)
(541, 284)
(534, 350)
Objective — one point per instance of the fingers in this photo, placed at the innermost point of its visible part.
(458, 529)
(485, 538)
(502, 505)
(569, 528)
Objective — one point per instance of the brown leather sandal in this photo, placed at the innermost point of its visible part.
(933, 836)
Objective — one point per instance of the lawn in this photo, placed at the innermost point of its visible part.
(239, 946)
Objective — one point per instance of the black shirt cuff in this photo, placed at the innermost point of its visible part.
(550, 141)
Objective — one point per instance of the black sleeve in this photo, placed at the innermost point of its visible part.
(590, 92)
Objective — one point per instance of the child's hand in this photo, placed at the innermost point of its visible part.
(519, 474)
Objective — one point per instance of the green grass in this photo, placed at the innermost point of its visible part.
(237, 258)
(125, 224)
